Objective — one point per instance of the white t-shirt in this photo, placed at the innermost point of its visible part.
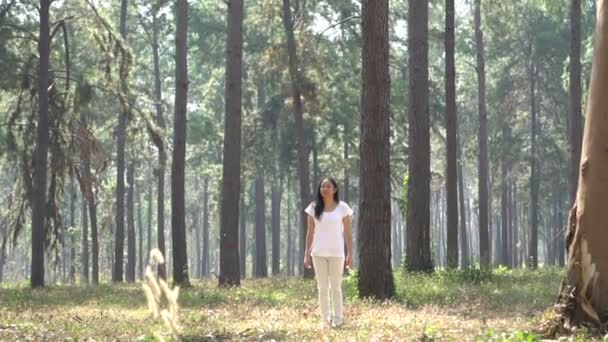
(328, 238)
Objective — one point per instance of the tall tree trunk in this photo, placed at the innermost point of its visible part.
(243, 237)
(130, 276)
(205, 256)
(121, 137)
(276, 227)
(375, 272)
(484, 238)
(451, 142)
(231, 177)
(315, 160)
(576, 130)
(73, 195)
(84, 259)
(289, 250)
(140, 237)
(178, 188)
(346, 185)
(516, 237)
(464, 240)
(583, 295)
(149, 235)
(197, 230)
(533, 248)
(41, 151)
(303, 170)
(94, 243)
(419, 192)
(162, 156)
(260, 227)
(504, 227)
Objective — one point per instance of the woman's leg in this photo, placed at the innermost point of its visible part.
(336, 267)
(321, 274)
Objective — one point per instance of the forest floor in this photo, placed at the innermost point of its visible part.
(455, 305)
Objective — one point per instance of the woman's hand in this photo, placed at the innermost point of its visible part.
(307, 261)
(348, 262)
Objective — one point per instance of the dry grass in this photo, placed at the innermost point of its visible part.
(445, 306)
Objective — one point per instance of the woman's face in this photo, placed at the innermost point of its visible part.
(327, 189)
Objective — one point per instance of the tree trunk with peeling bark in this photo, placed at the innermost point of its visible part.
(583, 297)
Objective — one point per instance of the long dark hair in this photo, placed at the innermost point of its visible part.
(319, 204)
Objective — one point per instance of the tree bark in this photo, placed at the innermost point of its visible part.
(374, 243)
(289, 250)
(178, 190)
(205, 256)
(276, 227)
(533, 247)
(140, 237)
(576, 129)
(94, 243)
(484, 238)
(73, 195)
(149, 235)
(583, 296)
(451, 142)
(85, 243)
(38, 199)
(260, 227)
(419, 192)
(464, 240)
(243, 237)
(130, 276)
(231, 177)
(303, 168)
(121, 137)
(504, 222)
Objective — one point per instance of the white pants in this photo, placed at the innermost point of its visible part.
(328, 271)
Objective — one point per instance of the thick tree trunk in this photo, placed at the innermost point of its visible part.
(178, 187)
(231, 177)
(131, 257)
(84, 259)
(583, 296)
(374, 229)
(533, 247)
(121, 137)
(576, 130)
(298, 111)
(243, 237)
(419, 192)
(38, 199)
(260, 227)
(484, 238)
(451, 142)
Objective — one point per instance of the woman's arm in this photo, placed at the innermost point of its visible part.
(348, 238)
(309, 235)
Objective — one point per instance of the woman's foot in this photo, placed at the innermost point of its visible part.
(337, 323)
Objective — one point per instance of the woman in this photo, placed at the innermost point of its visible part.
(329, 227)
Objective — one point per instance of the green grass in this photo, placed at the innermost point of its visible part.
(503, 305)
